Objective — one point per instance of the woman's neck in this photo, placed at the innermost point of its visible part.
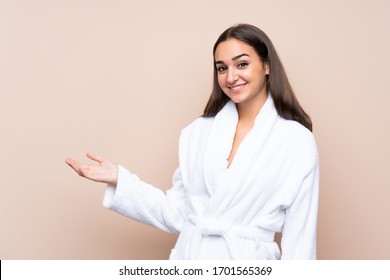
(248, 111)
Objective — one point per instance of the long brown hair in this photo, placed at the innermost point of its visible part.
(278, 86)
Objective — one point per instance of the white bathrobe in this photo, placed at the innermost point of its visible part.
(233, 212)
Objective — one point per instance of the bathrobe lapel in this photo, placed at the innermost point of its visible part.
(219, 145)
(227, 184)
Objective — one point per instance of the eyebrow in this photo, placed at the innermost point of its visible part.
(234, 58)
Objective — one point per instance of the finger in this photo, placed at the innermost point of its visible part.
(73, 164)
(95, 157)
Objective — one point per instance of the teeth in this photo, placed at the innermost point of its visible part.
(237, 87)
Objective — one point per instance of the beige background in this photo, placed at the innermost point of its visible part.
(121, 78)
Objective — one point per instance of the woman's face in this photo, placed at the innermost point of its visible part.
(241, 73)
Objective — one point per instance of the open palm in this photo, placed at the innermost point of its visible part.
(104, 171)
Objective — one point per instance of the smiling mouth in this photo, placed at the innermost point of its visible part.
(237, 87)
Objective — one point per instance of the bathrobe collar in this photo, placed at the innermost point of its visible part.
(224, 184)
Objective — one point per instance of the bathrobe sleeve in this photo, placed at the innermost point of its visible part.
(140, 201)
(300, 227)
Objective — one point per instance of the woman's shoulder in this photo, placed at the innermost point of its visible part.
(295, 136)
(294, 130)
(199, 124)
(197, 130)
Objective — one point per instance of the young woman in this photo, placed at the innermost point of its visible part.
(248, 167)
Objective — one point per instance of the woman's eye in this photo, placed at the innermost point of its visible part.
(221, 69)
(242, 64)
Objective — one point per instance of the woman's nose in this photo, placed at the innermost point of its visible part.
(231, 76)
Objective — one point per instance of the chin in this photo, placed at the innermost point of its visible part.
(237, 99)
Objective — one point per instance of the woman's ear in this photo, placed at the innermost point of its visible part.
(266, 66)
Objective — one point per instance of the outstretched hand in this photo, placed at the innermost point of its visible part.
(105, 171)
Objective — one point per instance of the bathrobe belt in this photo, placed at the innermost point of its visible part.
(208, 227)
